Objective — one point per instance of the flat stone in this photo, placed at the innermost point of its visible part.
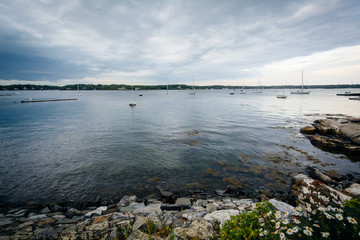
(183, 201)
(37, 217)
(229, 205)
(148, 209)
(45, 210)
(66, 221)
(354, 189)
(96, 212)
(174, 207)
(18, 214)
(121, 216)
(140, 221)
(334, 175)
(200, 202)
(58, 217)
(133, 206)
(26, 224)
(100, 219)
(308, 130)
(221, 215)
(45, 222)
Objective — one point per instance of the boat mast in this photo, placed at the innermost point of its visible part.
(302, 80)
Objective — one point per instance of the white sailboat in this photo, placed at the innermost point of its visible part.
(283, 96)
(258, 90)
(192, 90)
(302, 86)
(132, 103)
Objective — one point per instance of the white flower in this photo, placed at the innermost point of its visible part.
(325, 234)
(313, 212)
(265, 232)
(261, 220)
(339, 216)
(293, 209)
(307, 232)
(261, 234)
(309, 229)
(289, 231)
(295, 229)
(308, 209)
(297, 213)
(351, 220)
(298, 209)
(269, 213)
(285, 221)
(278, 215)
(328, 216)
(277, 225)
(286, 214)
(296, 221)
(339, 210)
(272, 220)
(282, 236)
(316, 225)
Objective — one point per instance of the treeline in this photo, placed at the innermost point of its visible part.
(124, 87)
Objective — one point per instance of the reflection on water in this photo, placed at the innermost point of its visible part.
(99, 146)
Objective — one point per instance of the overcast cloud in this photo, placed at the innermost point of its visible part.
(163, 42)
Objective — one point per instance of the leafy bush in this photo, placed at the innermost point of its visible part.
(265, 223)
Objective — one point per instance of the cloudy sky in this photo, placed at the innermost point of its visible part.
(206, 42)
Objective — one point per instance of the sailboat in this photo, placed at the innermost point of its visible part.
(132, 103)
(167, 89)
(302, 86)
(79, 94)
(283, 96)
(192, 90)
(258, 90)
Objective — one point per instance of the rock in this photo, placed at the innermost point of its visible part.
(45, 210)
(308, 130)
(100, 219)
(169, 196)
(96, 212)
(221, 193)
(139, 223)
(199, 229)
(126, 200)
(58, 217)
(47, 222)
(354, 189)
(5, 221)
(334, 175)
(316, 174)
(200, 203)
(300, 176)
(72, 212)
(26, 224)
(174, 207)
(37, 217)
(66, 221)
(139, 235)
(45, 233)
(211, 207)
(18, 214)
(122, 216)
(98, 226)
(229, 205)
(221, 216)
(148, 209)
(282, 207)
(132, 207)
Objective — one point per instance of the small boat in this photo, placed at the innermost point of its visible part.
(355, 98)
(283, 96)
(140, 94)
(132, 103)
(233, 92)
(348, 94)
(302, 86)
(258, 90)
(79, 94)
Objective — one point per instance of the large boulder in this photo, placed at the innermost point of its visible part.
(221, 216)
(199, 229)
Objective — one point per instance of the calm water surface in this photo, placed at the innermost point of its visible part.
(98, 146)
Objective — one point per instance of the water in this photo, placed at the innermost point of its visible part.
(98, 146)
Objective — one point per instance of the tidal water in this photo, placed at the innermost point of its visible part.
(99, 147)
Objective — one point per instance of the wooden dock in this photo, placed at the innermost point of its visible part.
(48, 100)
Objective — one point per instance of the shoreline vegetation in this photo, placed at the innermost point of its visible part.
(123, 87)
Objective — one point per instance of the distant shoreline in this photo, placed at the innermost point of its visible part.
(123, 87)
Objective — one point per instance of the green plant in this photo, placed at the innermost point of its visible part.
(123, 232)
(308, 223)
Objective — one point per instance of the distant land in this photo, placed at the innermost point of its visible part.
(124, 87)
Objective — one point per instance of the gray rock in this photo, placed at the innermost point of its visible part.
(221, 216)
(72, 212)
(229, 205)
(148, 209)
(26, 224)
(58, 217)
(121, 216)
(183, 202)
(221, 192)
(200, 203)
(96, 212)
(18, 214)
(5, 221)
(282, 207)
(211, 207)
(199, 229)
(45, 210)
(139, 223)
(126, 200)
(316, 174)
(66, 221)
(132, 207)
(37, 217)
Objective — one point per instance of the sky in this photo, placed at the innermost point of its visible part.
(200, 42)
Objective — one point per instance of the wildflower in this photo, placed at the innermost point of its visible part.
(322, 209)
(293, 209)
(261, 234)
(297, 213)
(325, 234)
(272, 220)
(269, 213)
(328, 216)
(286, 214)
(295, 229)
(282, 236)
(298, 209)
(307, 232)
(277, 225)
(351, 220)
(309, 229)
(265, 232)
(285, 221)
(261, 220)
(278, 215)
(296, 221)
(340, 210)
(289, 231)
(313, 212)
(308, 209)
(316, 225)
(339, 216)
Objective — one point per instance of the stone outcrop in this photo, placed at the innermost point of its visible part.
(340, 135)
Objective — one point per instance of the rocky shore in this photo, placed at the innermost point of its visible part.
(338, 135)
(168, 216)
